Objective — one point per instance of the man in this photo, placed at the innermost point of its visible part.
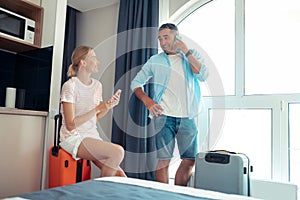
(176, 73)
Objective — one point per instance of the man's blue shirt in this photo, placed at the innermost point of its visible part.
(158, 69)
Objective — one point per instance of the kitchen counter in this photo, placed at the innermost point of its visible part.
(16, 111)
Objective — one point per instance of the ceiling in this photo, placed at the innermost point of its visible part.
(86, 5)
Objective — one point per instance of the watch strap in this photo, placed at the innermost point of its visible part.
(189, 52)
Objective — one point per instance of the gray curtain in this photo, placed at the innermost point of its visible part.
(70, 41)
(136, 43)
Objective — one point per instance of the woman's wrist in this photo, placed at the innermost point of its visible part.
(97, 111)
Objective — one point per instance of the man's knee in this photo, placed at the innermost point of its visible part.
(163, 164)
(188, 162)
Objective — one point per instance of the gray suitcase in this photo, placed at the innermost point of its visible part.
(223, 171)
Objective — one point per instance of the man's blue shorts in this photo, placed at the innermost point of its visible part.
(183, 129)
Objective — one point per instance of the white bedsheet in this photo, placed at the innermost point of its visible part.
(193, 192)
(177, 189)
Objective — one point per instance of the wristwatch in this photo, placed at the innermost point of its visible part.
(188, 52)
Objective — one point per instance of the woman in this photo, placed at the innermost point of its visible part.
(81, 107)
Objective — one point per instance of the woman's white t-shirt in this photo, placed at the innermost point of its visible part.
(85, 98)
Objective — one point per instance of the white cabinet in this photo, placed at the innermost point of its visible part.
(21, 138)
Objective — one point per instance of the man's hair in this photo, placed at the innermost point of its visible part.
(170, 26)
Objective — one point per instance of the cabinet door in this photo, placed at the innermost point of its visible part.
(21, 154)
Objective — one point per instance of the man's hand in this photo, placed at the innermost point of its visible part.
(151, 105)
(194, 63)
(154, 109)
(180, 45)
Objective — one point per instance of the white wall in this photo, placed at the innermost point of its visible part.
(175, 5)
(98, 28)
(168, 7)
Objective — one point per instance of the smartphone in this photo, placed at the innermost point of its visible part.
(118, 92)
(175, 40)
(178, 37)
(112, 99)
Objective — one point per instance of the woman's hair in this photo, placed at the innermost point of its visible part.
(79, 53)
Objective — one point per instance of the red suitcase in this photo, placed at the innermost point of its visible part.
(64, 170)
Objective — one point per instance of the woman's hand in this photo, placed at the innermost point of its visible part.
(114, 100)
(102, 107)
(105, 106)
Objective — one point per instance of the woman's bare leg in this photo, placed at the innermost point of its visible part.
(106, 171)
(105, 155)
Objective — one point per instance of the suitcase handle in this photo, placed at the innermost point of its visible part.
(223, 151)
(57, 125)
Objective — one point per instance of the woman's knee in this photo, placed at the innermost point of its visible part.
(118, 152)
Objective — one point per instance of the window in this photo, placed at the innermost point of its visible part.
(272, 46)
(212, 28)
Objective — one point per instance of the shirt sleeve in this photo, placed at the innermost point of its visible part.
(203, 74)
(142, 76)
(98, 93)
(67, 92)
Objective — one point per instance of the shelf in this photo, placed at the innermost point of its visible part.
(31, 11)
(14, 45)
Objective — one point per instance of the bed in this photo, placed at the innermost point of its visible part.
(127, 188)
